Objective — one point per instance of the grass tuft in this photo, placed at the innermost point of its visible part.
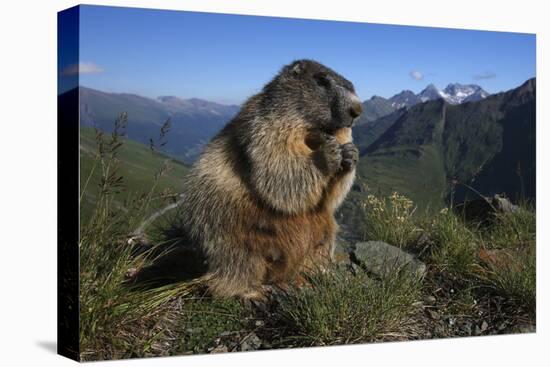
(511, 266)
(110, 309)
(390, 219)
(455, 245)
(339, 308)
(516, 281)
(208, 322)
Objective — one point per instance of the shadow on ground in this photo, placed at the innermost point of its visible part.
(177, 259)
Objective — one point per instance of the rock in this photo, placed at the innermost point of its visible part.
(233, 346)
(355, 269)
(503, 205)
(220, 349)
(250, 342)
(484, 326)
(440, 330)
(383, 259)
(433, 314)
(523, 329)
(466, 327)
(477, 330)
(483, 209)
(430, 299)
(418, 304)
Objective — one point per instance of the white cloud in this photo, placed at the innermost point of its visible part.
(416, 75)
(484, 75)
(82, 68)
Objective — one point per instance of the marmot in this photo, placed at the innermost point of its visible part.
(261, 198)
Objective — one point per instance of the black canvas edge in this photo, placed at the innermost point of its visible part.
(68, 191)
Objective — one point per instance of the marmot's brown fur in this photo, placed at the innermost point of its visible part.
(261, 198)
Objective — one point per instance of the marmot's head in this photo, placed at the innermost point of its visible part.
(319, 95)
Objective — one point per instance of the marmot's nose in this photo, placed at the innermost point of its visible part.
(356, 109)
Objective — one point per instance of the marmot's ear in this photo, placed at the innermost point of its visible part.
(297, 68)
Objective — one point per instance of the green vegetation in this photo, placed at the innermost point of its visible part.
(137, 167)
(480, 277)
(366, 133)
(398, 171)
(390, 219)
(205, 319)
(496, 256)
(512, 229)
(510, 249)
(408, 157)
(455, 250)
(339, 307)
(112, 314)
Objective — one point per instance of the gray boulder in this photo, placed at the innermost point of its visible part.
(251, 342)
(382, 259)
(484, 209)
(504, 205)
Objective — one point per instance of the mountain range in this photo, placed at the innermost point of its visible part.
(454, 93)
(193, 122)
(439, 151)
(434, 146)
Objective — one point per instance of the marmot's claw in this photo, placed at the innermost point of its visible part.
(350, 156)
(333, 154)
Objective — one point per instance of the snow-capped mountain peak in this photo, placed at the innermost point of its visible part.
(429, 93)
(456, 93)
(406, 98)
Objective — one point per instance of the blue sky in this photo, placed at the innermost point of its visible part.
(227, 58)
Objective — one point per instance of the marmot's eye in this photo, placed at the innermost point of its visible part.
(322, 79)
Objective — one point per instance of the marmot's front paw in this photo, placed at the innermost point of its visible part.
(350, 155)
(333, 154)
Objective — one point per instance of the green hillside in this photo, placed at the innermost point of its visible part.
(511, 140)
(488, 145)
(138, 166)
(407, 158)
(418, 174)
(367, 133)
